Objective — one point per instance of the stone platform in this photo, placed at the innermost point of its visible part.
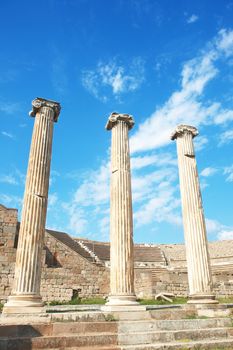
(168, 328)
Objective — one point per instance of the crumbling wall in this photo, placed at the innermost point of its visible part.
(8, 241)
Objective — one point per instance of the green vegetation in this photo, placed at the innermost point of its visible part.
(194, 317)
(78, 301)
(178, 300)
(110, 318)
(1, 306)
(228, 300)
(89, 301)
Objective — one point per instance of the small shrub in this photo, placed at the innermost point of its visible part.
(74, 301)
(110, 318)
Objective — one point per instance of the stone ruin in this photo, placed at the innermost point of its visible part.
(38, 265)
(72, 266)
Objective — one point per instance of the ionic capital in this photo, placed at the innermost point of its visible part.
(39, 102)
(183, 129)
(115, 117)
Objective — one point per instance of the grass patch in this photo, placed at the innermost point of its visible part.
(228, 300)
(178, 300)
(92, 301)
(78, 301)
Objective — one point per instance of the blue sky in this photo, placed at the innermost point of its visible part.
(165, 62)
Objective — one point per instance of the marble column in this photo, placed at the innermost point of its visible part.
(25, 296)
(197, 255)
(121, 216)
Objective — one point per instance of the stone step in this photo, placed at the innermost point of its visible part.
(216, 344)
(100, 347)
(138, 326)
(60, 328)
(169, 313)
(131, 315)
(59, 342)
(171, 336)
(83, 316)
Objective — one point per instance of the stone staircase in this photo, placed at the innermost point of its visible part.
(125, 331)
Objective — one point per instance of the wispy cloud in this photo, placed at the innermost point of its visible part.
(8, 179)
(114, 77)
(187, 106)
(225, 235)
(7, 134)
(11, 200)
(226, 137)
(222, 232)
(208, 171)
(192, 19)
(9, 108)
(154, 170)
(229, 172)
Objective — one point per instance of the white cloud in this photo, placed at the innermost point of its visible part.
(95, 188)
(11, 200)
(7, 134)
(186, 105)
(9, 108)
(200, 142)
(213, 226)
(78, 220)
(226, 42)
(140, 162)
(224, 235)
(159, 208)
(229, 172)
(208, 171)
(226, 137)
(52, 199)
(8, 179)
(114, 76)
(192, 19)
(155, 175)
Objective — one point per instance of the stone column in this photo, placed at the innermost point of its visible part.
(197, 255)
(121, 216)
(25, 297)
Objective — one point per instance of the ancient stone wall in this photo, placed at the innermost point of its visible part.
(8, 242)
(66, 273)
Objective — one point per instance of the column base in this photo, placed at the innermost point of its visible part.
(23, 304)
(202, 299)
(122, 303)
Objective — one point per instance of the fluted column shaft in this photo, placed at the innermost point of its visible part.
(121, 221)
(26, 289)
(198, 261)
(121, 216)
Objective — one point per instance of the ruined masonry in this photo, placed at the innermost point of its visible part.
(26, 289)
(199, 272)
(121, 215)
(39, 265)
(68, 269)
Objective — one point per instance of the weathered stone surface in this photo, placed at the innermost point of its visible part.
(26, 290)
(198, 262)
(121, 215)
(65, 270)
